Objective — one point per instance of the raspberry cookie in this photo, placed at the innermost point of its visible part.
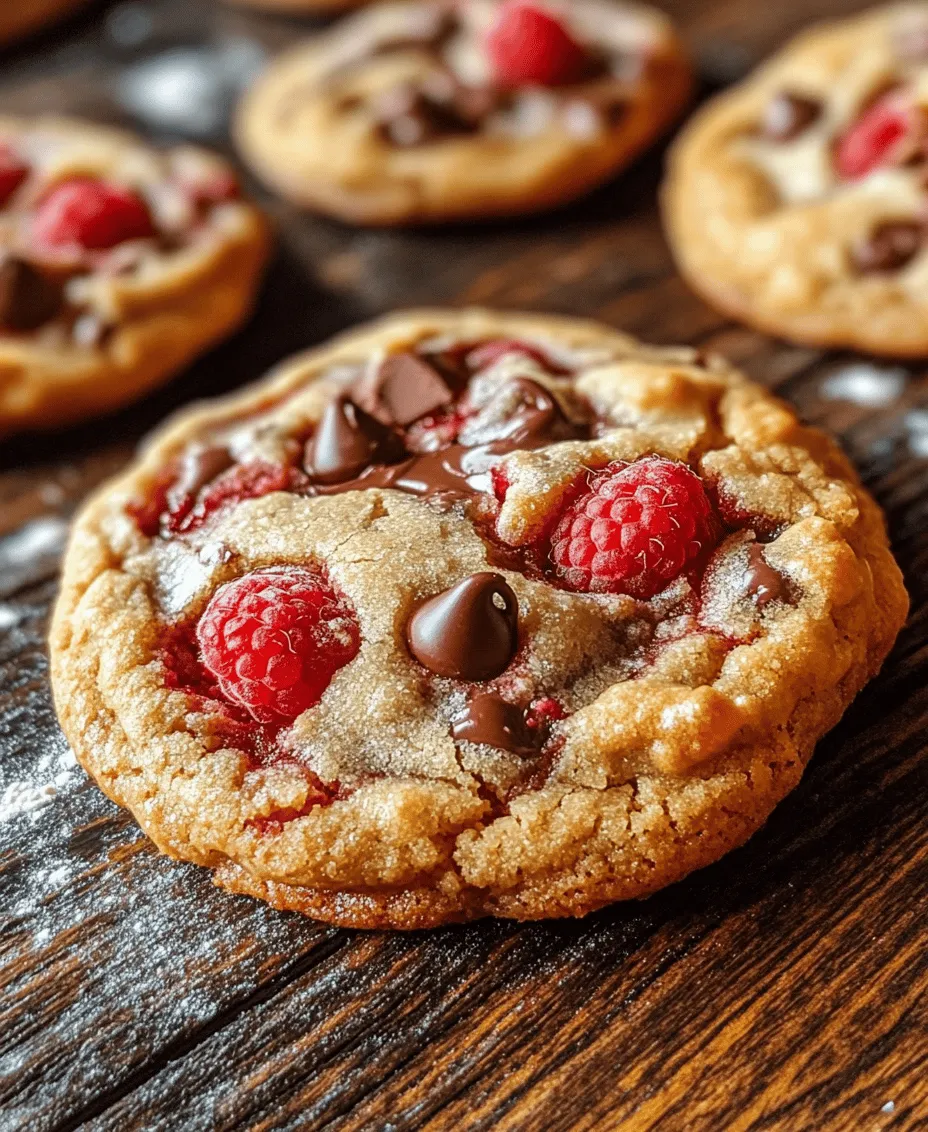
(417, 112)
(798, 201)
(118, 265)
(20, 17)
(470, 615)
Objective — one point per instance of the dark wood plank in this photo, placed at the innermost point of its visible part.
(781, 989)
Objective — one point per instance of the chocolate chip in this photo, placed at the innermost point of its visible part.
(439, 106)
(199, 466)
(489, 719)
(889, 246)
(787, 115)
(28, 298)
(761, 582)
(463, 633)
(346, 441)
(404, 388)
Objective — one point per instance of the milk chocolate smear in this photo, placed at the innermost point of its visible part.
(348, 440)
(469, 632)
(489, 719)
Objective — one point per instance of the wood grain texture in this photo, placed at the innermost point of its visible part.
(784, 988)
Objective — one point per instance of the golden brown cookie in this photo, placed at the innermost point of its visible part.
(118, 265)
(415, 112)
(798, 200)
(20, 17)
(470, 614)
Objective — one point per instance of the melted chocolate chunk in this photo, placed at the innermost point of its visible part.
(762, 583)
(462, 471)
(404, 388)
(470, 632)
(412, 114)
(489, 719)
(28, 298)
(890, 246)
(787, 115)
(199, 466)
(348, 440)
(537, 415)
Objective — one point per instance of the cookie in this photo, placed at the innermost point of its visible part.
(418, 112)
(118, 266)
(21, 17)
(797, 201)
(298, 7)
(469, 614)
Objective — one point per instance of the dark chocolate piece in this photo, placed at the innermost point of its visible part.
(787, 115)
(199, 466)
(28, 297)
(404, 388)
(762, 582)
(469, 632)
(489, 719)
(346, 441)
(889, 246)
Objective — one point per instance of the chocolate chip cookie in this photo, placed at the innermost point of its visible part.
(118, 265)
(798, 200)
(429, 111)
(470, 614)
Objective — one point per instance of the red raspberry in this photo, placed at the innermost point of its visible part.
(13, 171)
(528, 46)
(877, 137)
(90, 215)
(275, 638)
(635, 529)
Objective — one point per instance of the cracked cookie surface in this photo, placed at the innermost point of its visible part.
(418, 112)
(796, 201)
(118, 265)
(470, 614)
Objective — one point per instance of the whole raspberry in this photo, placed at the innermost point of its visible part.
(13, 171)
(275, 638)
(635, 529)
(88, 215)
(878, 137)
(527, 46)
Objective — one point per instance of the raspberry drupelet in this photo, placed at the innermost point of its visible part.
(634, 529)
(274, 640)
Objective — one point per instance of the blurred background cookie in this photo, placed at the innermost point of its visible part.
(797, 200)
(413, 112)
(118, 265)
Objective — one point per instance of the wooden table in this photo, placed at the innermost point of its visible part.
(781, 989)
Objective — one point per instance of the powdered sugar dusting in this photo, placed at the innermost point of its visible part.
(865, 384)
(53, 773)
(9, 616)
